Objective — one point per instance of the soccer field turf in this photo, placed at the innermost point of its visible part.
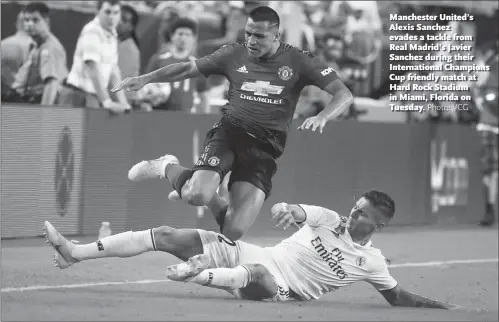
(455, 265)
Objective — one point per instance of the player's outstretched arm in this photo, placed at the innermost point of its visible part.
(342, 99)
(170, 73)
(397, 296)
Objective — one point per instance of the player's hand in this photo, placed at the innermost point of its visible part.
(130, 84)
(454, 307)
(282, 216)
(314, 122)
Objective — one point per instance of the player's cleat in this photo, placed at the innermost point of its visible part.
(192, 267)
(174, 196)
(151, 169)
(62, 247)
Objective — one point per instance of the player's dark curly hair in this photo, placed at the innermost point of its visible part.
(382, 201)
(183, 22)
(135, 21)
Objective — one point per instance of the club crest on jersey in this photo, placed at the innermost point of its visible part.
(285, 73)
(340, 230)
(360, 261)
(214, 161)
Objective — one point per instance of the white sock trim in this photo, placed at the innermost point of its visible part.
(248, 280)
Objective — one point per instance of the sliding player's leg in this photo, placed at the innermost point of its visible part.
(182, 243)
(251, 274)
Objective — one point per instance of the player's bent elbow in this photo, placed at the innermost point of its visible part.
(348, 95)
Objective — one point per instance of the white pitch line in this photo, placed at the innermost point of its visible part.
(83, 285)
(441, 263)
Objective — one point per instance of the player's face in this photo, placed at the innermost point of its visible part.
(109, 15)
(183, 39)
(34, 24)
(260, 37)
(334, 48)
(125, 26)
(365, 218)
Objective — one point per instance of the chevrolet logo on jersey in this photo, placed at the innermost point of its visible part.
(262, 88)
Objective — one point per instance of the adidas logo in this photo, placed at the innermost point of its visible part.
(243, 70)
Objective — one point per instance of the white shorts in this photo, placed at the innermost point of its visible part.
(226, 253)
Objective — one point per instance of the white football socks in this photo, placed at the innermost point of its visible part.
(231, 278)
(127, 244)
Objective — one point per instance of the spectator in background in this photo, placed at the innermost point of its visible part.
(15, 50)
(485, 95)
(95, 64)
(233, 18)
(39, 78)
(333, 52)
(128, 47)
(294, 26)
(177, 96)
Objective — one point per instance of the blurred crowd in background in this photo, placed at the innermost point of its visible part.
(41, 52)
(71, 53)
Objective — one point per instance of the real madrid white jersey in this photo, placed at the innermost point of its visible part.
(321, 257)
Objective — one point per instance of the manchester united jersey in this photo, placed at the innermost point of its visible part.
(264, 93)
(321, 257)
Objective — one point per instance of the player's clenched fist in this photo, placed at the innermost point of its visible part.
(130, 84)
(282, 215)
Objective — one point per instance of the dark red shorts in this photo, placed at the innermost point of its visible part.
(230, 148)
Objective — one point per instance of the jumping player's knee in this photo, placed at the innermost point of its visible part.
(233, 229)
(199, 190)
(238, 221)
(196, 196)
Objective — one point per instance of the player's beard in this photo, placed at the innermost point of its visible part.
(357, 230)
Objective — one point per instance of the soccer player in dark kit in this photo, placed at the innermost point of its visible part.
(266, 77)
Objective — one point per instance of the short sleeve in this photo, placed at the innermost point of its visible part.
(90, 46)
(382, 280)
(215, 63)
(319, 216)
(49, 61)
(21, 76)
(315, 71)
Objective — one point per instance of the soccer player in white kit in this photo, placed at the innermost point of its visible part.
(327, 253)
